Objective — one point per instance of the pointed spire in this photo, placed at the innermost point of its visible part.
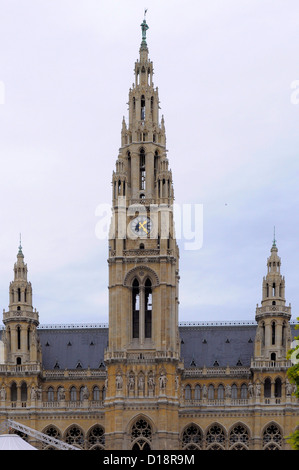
(20, 252)
(274, 247)
(274, 241)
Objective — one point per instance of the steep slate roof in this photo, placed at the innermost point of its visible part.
(202, 343)
(69, 346)
(228, 345)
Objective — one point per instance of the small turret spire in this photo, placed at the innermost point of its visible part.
(20, 246)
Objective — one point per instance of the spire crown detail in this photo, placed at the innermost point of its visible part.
(144, 28)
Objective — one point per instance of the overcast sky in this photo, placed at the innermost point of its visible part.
(225, 71)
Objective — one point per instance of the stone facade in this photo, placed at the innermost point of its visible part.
(147, 382)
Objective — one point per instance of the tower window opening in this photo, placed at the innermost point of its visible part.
(283, 334)
(19, 361)
(19, 336)
(277, 388)
(135, 308)
(273, 332)
(19, 295)
(119, 187)
(267, 290)
(148, 309)
(13, 392)
(25, 295)
(142, 108)
(142, 169)
(134, 103)
(152, 104)
(28, 338)
(273, 357)
(24, 392)
(155, 161)
(267, 388)
(273, 289)
(263, 334)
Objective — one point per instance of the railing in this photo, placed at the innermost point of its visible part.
(139, 252)
(15, 369)
(274, 365)
(141, 357)
(74, 373)
(273, 308)
(216, 371)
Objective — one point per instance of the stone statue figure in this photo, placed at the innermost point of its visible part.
(162, 381)
(289, 388)
(258, 390)
(144, 28)
(151, 383)
(119, 382)
(61, 394)
(141, 382)
(131, 382)
(2, 393)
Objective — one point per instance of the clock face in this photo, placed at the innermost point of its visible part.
(141, 226)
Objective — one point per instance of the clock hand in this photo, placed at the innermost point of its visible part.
(142, 226)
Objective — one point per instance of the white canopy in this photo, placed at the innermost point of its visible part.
(14, 442)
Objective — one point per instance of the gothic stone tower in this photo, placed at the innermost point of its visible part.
(21, 343)
(273, 336)
(143, 354)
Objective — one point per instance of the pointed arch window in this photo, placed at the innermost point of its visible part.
(142, 169)
(142, 108)
(211, 392)
(96, 393)
(141, 435)
(50, 394)
(220, 392)
(19, 336)
(273, 328)
(197, 392)
(187, 392)
(148, 309)
(13, 392)
(234, 391)
(244, 390)
(24, 392)
(283, 334)
(267, 388)
(73, 394)
(277, 388)
(136, 308)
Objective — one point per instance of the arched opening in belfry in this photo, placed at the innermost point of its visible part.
(142, 103)
(135, 308)
(142, 169)
(148, 309)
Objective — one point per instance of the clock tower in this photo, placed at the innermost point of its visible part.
(143, 353)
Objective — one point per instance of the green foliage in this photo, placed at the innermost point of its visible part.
(293, 374)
